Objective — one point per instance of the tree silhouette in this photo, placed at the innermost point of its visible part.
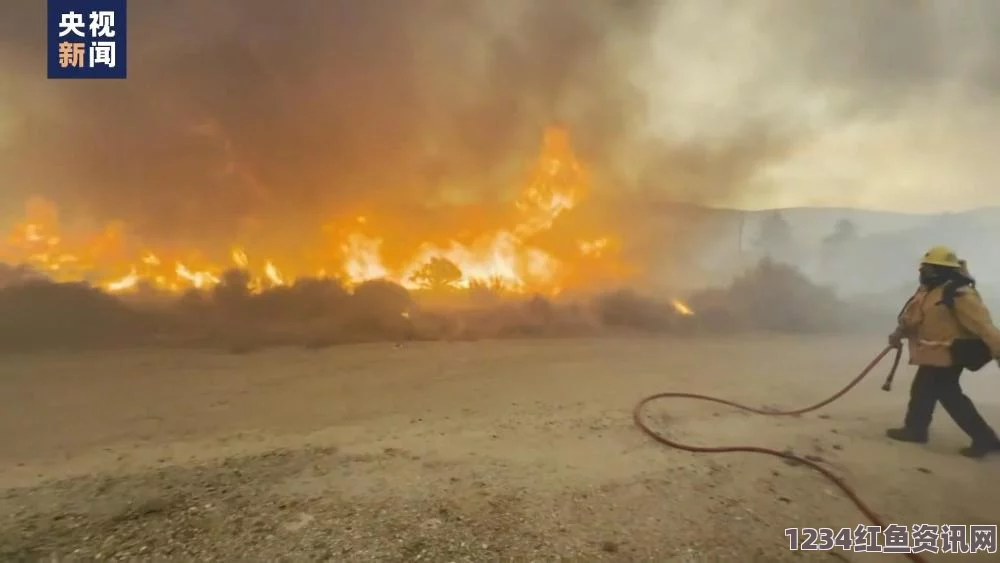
(775, 236)
(844, 235)
(233, 289)
(438, 273)
(844, 232)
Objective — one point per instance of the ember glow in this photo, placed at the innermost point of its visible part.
(681, 307)
(532, 254)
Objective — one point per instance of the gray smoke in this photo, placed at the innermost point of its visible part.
(888, 104)
(239, 109)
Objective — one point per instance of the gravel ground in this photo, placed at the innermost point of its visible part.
(459, 452)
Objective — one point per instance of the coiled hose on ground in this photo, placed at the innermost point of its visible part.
(851, 494)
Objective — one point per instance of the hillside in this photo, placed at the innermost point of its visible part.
(713, 244)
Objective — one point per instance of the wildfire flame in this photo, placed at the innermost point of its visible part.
(681, 307)
(510, 258)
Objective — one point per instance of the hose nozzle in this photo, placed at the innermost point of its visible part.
(887, 386)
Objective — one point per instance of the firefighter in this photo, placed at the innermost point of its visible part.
(948, 329)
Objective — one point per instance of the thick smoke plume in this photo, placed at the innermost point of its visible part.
(236, 109)
(238, 112)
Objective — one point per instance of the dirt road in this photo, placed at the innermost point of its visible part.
(462, 452)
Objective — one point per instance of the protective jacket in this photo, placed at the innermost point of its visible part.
(934, 318)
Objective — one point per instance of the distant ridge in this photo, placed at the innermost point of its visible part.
(717, 242)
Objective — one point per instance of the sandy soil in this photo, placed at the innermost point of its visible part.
(462, 452)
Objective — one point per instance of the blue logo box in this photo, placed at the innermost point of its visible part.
(87, 39)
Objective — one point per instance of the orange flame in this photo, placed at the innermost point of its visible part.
(681, 307)
(506, 258)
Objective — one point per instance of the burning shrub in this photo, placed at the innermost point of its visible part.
(714, 312)
(379, 308)
(435, 325)
(314, 312)
(233, 290)
(532, 317)
(309, 310)
(325, 295)
(626, 309)
(319, 312)
(541, 317)
(305, 300)
(772, 296)
(46, 315)
(486, 291)
(381, 298)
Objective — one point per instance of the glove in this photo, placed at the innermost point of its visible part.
(896, 340)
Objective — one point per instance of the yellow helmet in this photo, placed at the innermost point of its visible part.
(941, 256)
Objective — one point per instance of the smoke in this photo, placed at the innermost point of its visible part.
(847, 103)
(237, 111)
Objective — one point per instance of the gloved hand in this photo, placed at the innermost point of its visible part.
(896, 340)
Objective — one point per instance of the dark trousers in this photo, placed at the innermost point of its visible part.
(933, 384)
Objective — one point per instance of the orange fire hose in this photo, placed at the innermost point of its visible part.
(868, 512)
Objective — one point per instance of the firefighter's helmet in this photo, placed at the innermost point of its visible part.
(941, 256)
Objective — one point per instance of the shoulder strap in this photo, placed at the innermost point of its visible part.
(951, 289)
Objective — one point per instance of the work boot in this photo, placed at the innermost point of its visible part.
(906, 435)
(980, 450)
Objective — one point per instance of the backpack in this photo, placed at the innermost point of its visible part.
(969, 353)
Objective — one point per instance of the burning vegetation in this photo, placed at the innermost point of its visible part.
(501, 272)
(364, 277)
(520, 250)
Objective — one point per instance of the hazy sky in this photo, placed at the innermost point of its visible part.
(235, 108)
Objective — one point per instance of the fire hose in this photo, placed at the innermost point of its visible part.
(847, 490)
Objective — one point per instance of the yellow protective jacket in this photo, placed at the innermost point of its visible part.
(930, 326)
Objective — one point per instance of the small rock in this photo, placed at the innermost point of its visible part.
(301, 522)
(431, 524)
